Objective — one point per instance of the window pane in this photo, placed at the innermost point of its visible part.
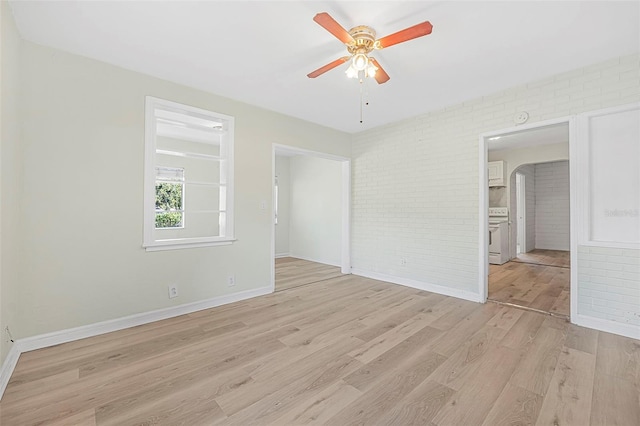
(169, 197)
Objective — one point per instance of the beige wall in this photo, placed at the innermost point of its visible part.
(10, 175)
(315, 230)
(83, 141)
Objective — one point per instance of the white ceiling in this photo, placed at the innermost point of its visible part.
(557, 133)
(259, 52)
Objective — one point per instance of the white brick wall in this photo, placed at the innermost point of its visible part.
(415, 182)
(608, 284)
(552, 206)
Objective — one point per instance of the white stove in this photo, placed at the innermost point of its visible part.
(498, 235)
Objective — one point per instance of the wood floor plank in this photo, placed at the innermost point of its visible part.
(582, 339)
(383, 396)
(536, 369)
(235, 401)
(385, 364)
(523, 331)
(471, 404)
(418, 407)
(568, 400)
(514, 406)
(321, 407)
(616, 402)
(268, 408)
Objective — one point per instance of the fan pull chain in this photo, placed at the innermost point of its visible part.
(361, 101)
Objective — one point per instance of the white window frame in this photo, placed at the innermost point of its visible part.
(150, 241)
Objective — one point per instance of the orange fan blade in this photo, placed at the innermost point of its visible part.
(381, 75)
(410, 33)
(328, 23)
(328, 67)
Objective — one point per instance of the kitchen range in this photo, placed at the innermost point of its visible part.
(498, 235)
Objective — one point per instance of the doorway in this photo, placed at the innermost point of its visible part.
(521, 212)
(536, 277)
(314, 242)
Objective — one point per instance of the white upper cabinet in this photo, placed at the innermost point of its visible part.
(497, 170)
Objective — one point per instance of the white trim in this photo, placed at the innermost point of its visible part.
(185, 245)
(627, 330)
(91, 330)
(420, 285)
(345, 257)
(574, 218)
(226, 158)
(281, 255)
(8, 366)
(345, 266)
(483, 196)
(583, 162)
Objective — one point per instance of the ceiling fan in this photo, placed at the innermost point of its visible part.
(361, 41)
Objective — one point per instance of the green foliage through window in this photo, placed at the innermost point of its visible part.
(168, 205)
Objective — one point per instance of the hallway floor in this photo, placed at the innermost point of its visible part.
(292, 272)
(537, 280)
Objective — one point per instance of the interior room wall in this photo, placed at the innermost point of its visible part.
(515, 160)
(316, 209)
(552, 206)
(284, 207)
(415, 182)
(10, 175)
(82, 198)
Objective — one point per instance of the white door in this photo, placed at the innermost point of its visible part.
(521, 246)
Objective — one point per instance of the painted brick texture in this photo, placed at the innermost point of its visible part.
(609, 284)
(552, 206)
(415, 182)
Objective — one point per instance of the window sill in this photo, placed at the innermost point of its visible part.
(177, 244)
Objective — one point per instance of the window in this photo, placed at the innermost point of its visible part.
(169, 197)
(188, 177)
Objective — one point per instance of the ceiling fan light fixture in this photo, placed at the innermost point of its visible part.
(351, 72)
(360, 61)
(371, 70)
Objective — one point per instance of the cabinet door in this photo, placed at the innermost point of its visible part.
(495, 170)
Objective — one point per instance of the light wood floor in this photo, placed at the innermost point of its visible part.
(292, 272)
(534, 285)
(546, 257)
(343, 351)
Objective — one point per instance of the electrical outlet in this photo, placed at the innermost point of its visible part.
(403, 261)
(173, 291)
(231, 280)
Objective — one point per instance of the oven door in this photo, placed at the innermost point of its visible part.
(494, 238)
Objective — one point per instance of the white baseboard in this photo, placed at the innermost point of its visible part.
(278, 256)
(627, 330)
(63, 336)
(433, 288)
(8, 366)
(324, 262)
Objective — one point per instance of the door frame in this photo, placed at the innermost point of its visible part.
(521, 204)
(483, 203)
(345, 244)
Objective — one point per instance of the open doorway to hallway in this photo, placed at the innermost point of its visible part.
(311, 217)
(534, 273)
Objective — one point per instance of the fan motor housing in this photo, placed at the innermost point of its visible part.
(364, 39)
